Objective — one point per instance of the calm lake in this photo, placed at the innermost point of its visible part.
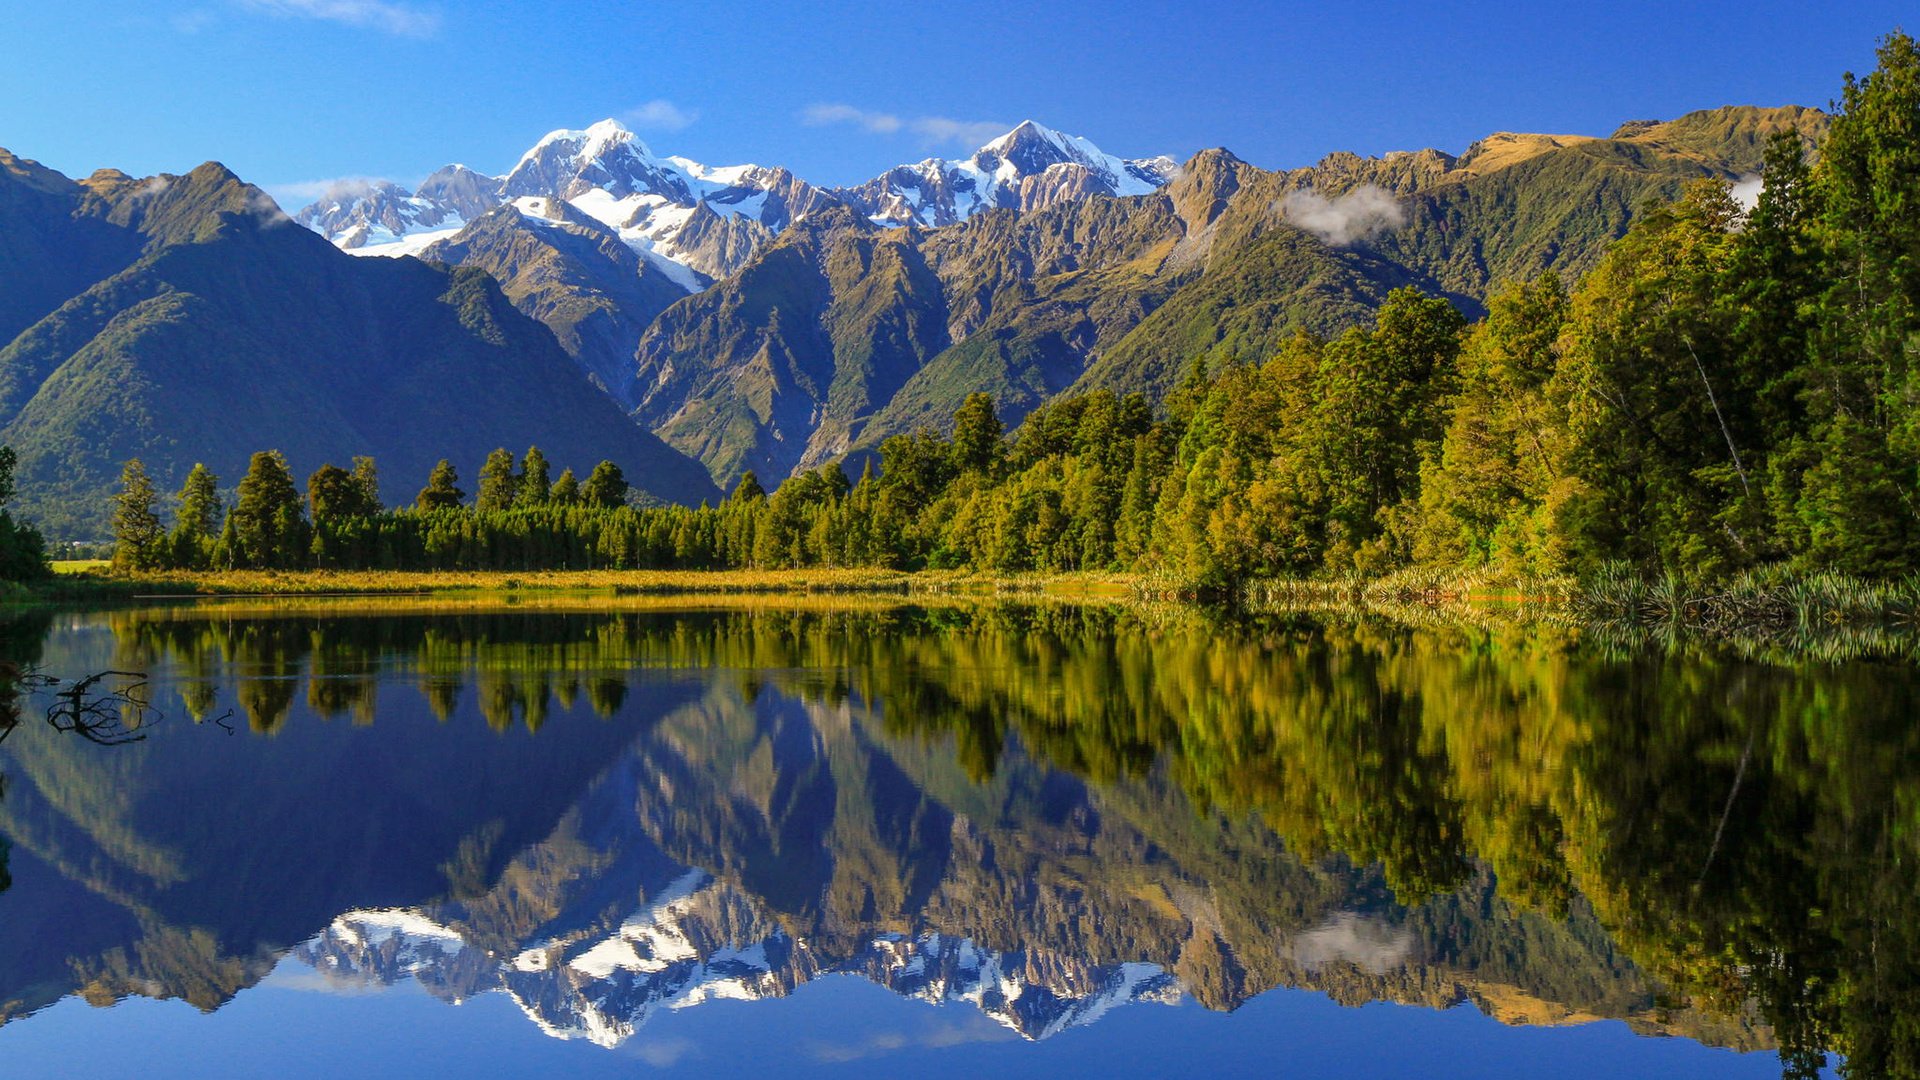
(624, 836)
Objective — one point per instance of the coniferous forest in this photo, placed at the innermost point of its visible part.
(1732, 387)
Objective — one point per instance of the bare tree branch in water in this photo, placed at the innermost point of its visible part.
(113, 716)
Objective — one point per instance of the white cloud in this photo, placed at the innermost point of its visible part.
(1746, 191)
(1343, 219)
(401, 20)
(663, 115)
(340, 187)
(267, 210)
(933, 130)
(877, 122)
(967, 133)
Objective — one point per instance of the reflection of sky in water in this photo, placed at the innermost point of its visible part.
(701, 975)
(294, 1026)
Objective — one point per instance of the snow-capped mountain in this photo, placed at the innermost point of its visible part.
(701, 940)
(379, 216)
(702, 218)
(708, 219)
(1028, 168)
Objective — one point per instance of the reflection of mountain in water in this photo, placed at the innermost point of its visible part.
(1042, 815)
(668, 958)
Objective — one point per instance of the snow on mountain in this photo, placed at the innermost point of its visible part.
(1028, 168)
(683, 948)
(368, 217)
(709, 220)
(660, 206)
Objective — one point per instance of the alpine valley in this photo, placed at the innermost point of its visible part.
(692, 323)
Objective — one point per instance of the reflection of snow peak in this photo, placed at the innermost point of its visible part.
(673, 954)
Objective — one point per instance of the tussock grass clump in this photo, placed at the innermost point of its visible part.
(1767, 599)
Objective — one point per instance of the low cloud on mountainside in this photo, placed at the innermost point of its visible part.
(1343, 219)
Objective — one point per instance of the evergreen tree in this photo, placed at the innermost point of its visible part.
(498, 484)
(1853, 483)
(366, 483)
(606, 486)
(976, 443)
(200, 502)
(1488, 489)
(748, 489)
(443, 489)
(269, 530)
(136, 527)
(566, 490)
(198, 522)
(23, 551)
(533, 487)
(333, 495)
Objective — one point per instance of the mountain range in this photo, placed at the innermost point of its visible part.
(755, 321)
(739, 317)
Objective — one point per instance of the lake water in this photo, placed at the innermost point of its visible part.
(608, 837)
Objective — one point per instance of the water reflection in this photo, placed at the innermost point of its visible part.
(1044, 812)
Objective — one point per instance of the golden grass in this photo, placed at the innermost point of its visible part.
(619, 582)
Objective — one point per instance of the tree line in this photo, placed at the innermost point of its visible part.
(1730, 388)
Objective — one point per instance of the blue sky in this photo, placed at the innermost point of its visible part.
(292, 92)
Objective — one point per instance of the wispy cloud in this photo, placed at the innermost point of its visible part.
(967, 133)
(662, 115)
(932, 130)
(340, 187)
(401, 20)
(193, 20)
(820, 115)
(267, 210)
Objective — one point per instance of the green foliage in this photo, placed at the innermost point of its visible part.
(606, 487)
(532, 487)
(748, 489)
(499, 485)
(269, 530)
(23, 551)
(136, 524)
(197, 521)
(443, 489)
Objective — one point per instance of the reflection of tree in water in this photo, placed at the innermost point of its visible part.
(1744, 827)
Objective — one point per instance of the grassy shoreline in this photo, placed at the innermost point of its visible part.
(95, 583)
(1771, 601)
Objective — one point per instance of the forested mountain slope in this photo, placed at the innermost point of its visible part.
(184, 318)
(1222, 263)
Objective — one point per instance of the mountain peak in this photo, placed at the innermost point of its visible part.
(1015, 171)
(1025, 131)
